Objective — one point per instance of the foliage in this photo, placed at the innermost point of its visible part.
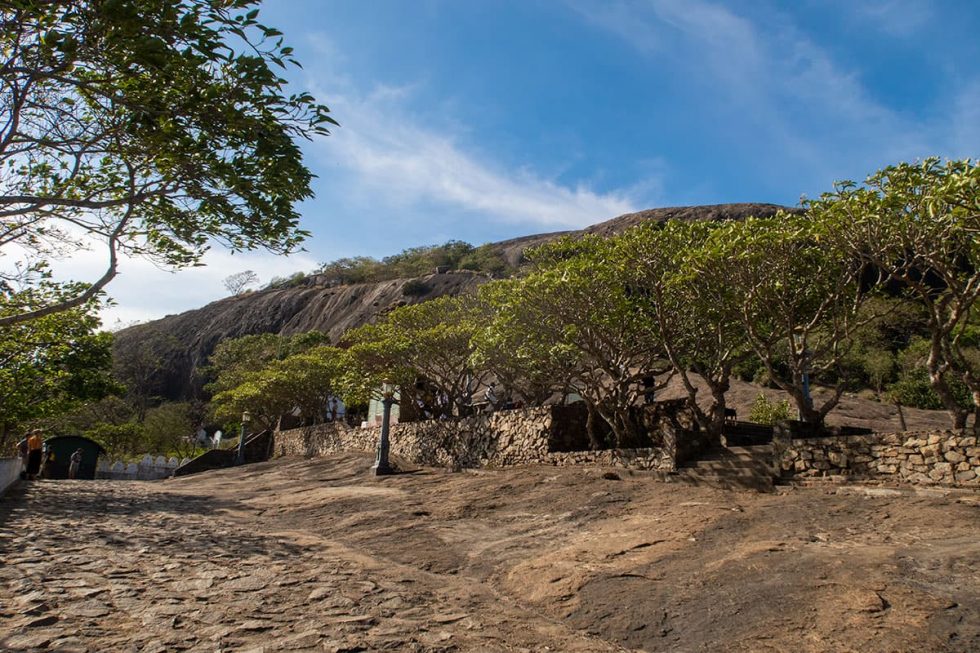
(919, 224)
(797, 299)
(576, 309)
(418, 261)
(694, 309)
(516, 348)
(171, 429)
(428, 343)
(764, 411)
(142, 367)
(913, 386)
(238, 282)
(50, 365)
(299, 384)
(150, 127)
(236, 358)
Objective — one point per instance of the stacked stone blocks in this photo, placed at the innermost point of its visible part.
(925, 458)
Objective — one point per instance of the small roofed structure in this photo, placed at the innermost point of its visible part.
(59, 450)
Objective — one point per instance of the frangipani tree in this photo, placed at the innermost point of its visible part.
(797, 299)
(517, 347)
(431, 341)
(579, 308)
(692, 306)
(301, 383)
(919, 224)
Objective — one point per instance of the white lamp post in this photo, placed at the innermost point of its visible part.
(246, 418)
(381, 465)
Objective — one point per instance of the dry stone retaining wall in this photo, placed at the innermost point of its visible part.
(503, 438)
(924, 458)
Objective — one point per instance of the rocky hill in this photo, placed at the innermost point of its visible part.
(176, 346)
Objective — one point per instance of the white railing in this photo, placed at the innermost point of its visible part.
(147, 469)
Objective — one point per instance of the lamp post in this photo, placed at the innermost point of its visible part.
(381, 465)
(240, 459)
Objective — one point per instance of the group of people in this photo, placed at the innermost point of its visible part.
(37, 457)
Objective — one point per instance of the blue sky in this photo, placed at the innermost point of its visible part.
(482, 120)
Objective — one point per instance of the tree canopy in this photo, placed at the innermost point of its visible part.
(148, 127)
(919, 224)
(50, 365)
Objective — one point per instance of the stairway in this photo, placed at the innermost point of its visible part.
(731, 468)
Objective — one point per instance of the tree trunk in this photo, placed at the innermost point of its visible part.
(590, 427)
(956, 412)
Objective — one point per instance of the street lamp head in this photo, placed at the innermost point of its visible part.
(387, 389)
(246, 417)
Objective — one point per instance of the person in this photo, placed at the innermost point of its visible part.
(35, 445)
(216, 440)
(76, 462)
(491, 396)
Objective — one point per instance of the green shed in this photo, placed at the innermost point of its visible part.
(59, 450)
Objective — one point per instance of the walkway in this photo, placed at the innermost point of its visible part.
(137, 566)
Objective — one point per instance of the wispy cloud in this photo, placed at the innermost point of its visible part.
(898, 18)
(778, 85)
(143, 291)
(397, 161)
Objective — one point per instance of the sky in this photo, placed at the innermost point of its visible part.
(481, 120)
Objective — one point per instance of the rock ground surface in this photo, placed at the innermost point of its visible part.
(314, 555)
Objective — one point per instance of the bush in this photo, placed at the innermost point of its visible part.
(913, 389)
(764, 411)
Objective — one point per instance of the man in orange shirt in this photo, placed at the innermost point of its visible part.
(34, 447)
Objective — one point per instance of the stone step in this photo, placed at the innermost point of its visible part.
(754, 451)
(725, 480)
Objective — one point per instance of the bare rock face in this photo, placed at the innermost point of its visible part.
(181, 344)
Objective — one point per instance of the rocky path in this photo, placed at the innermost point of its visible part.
(117, 566)
(316, 555)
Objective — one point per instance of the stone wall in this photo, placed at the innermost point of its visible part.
(503, 438)
(924, 458)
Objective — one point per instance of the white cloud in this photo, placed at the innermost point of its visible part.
(143, 291)
(898, 18)
(394, 160)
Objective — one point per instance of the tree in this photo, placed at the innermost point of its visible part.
(919, 225)
(516, 350)
(51, 364)
(299, 383)
(798, 299)
(430, 343)
(151, 127)
(142, 367)
(692, 307)
(236, 283)
(233, 360)
(578, 307)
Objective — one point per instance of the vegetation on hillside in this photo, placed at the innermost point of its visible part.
(418, 261)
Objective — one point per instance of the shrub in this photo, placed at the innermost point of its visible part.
(764, 411)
